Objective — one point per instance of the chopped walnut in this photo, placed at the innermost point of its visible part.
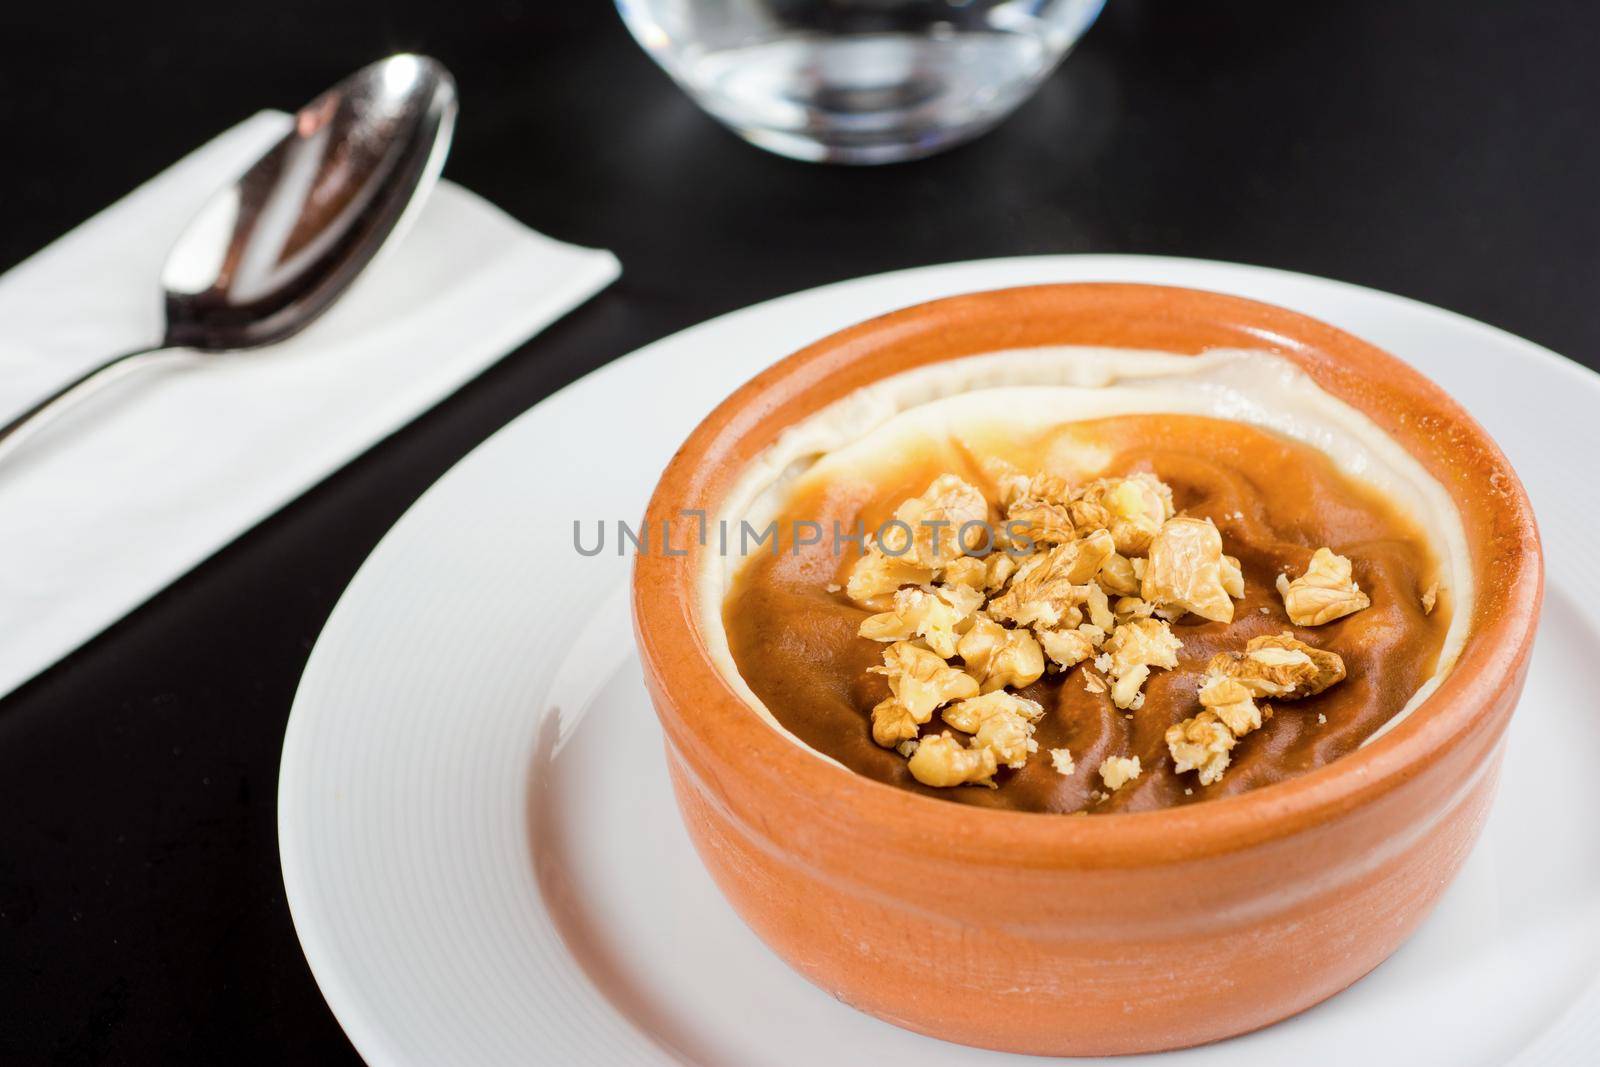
(1281, 666)
(876, 577)
(963, 598)
(1038, 521)
(1001, 722)
(1089, 514)
(935, 520)
(967, 571)
(1118, 771)
(892, 723)
(941, 761)
(966, 714)
(1047, 586)
(1233, 577)
(1185, 572)
(1430, 597)
(1127, 688)
(1049, 488)
(1129, 608)
(1132, 509)
(1096, 634)
(1117, 575)
(1010, 739)
(1132, 650)
(1202, 743)
(1114, 566)
(1010, 484)
(999, 657)
(932, 615)
(1066, 648)
(1081, 561)
(920, 682)
(1326, 591)
(997, 571)
(1231, 702)
(1099, 607)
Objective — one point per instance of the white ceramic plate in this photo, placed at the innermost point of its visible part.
(483, 857)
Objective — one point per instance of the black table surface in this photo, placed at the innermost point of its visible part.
(1445, 151)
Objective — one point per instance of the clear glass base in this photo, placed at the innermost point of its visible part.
(868, 98)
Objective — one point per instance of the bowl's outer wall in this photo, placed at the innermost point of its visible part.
(1106, 934)
(1068, 962)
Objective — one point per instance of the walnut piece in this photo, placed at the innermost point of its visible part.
(920, 682)
(1325, 592)
(1039, 522)
(1048, 587)
(1202, 743)
(1230, 701)
(966, 715)
(1280, 666)
(1186, 570)
(1128, 608)
(1233, 577)
(967, 571)
(998, 657)
(932, 614)
(941, 761)
(893, 724)
(997, 571)
(1066, 648)
(1099, 608)
(1117, 576)
(1047, 488)
(876, 576)
(935, 520)
(1061, 760)
(1118, 771)
(1130, 652)
(1132, 509)
(1001, 722)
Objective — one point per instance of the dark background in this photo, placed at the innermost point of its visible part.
(1446, 151)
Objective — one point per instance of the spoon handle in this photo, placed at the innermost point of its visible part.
(14, 432)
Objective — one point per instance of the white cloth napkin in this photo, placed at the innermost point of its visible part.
(118, 498)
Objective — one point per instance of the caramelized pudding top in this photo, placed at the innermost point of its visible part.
(1169, 607)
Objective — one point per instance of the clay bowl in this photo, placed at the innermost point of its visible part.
(1145, 931)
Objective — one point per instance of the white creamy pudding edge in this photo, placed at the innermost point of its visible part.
(1037, 388)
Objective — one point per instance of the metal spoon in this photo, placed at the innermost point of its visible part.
(271, 252)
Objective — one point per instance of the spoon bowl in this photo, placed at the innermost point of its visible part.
(271, 252)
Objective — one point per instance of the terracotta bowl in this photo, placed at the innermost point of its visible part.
(1144, 931)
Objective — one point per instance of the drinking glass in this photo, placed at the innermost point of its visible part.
(858, 81)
